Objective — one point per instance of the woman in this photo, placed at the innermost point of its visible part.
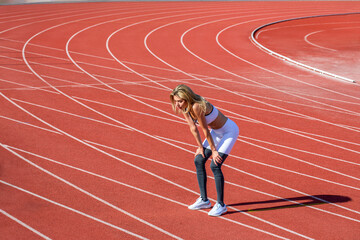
(218, 142)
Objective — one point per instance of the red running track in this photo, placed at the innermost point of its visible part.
(90, 148)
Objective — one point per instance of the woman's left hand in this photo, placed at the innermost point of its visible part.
(216, 157)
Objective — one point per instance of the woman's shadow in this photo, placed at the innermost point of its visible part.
(294, 202)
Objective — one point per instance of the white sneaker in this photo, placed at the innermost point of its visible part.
(200, 204)
(217, 210)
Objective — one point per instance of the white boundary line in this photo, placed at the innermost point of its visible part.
(253, 38)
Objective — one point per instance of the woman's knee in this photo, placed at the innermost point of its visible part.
(199, 161)
(216, 168)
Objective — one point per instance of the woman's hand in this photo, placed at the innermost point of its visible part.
(200, 150)
(216, 157)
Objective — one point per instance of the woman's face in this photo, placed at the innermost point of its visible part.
(180, 103)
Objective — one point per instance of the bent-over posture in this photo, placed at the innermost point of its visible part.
(217, 144)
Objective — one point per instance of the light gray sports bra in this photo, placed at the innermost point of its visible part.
(210, 117)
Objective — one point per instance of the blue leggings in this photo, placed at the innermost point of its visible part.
(218, 175)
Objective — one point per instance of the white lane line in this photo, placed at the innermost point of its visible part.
(16, 70)
(234, 184)
(63, 12)
(24, 87)
(28, 124)
(236, 56)
(262, 47)
(97, 65)
(325, 98)
(299, 192)
(69, 135)
(74, 99)
(165, 69)
(141, 22)
(123, 82)
(71, 114)
(90, 194)
(110, 179)
(145, 42)
(24, 224)
(65, 17)
(268, 70)
(192, 76)
(182, 122)
(272, 166)
(128, 110)
(138, 83)
(298, 133)
(94, 86)
(256, 145)
(322, 136)
(300, 150)
(243, 119)
(71, 209)
(280, 100)
(242, 105)
(147, 192)
(306, 162)
(5, 146)
(269, 223)
(124, 65)
(306, 38)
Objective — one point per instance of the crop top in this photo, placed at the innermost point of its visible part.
(210, 117)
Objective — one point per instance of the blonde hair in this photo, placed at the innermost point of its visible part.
(184, 92)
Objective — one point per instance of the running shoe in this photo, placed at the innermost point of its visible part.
(217, 210)
(200, 204)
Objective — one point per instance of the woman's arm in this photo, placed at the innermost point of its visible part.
(195, 132)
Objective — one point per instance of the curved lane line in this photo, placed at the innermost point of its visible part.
(253, 37)
(114, 88)
(282, 75)
(92, 109)
(194, 77)
(306, 38)
(264, 85)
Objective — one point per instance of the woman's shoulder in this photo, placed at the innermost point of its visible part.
(196, 106)
(199, 108)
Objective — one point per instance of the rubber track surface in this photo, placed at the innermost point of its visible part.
(90, 147)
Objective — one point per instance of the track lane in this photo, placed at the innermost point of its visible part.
(134, 90)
